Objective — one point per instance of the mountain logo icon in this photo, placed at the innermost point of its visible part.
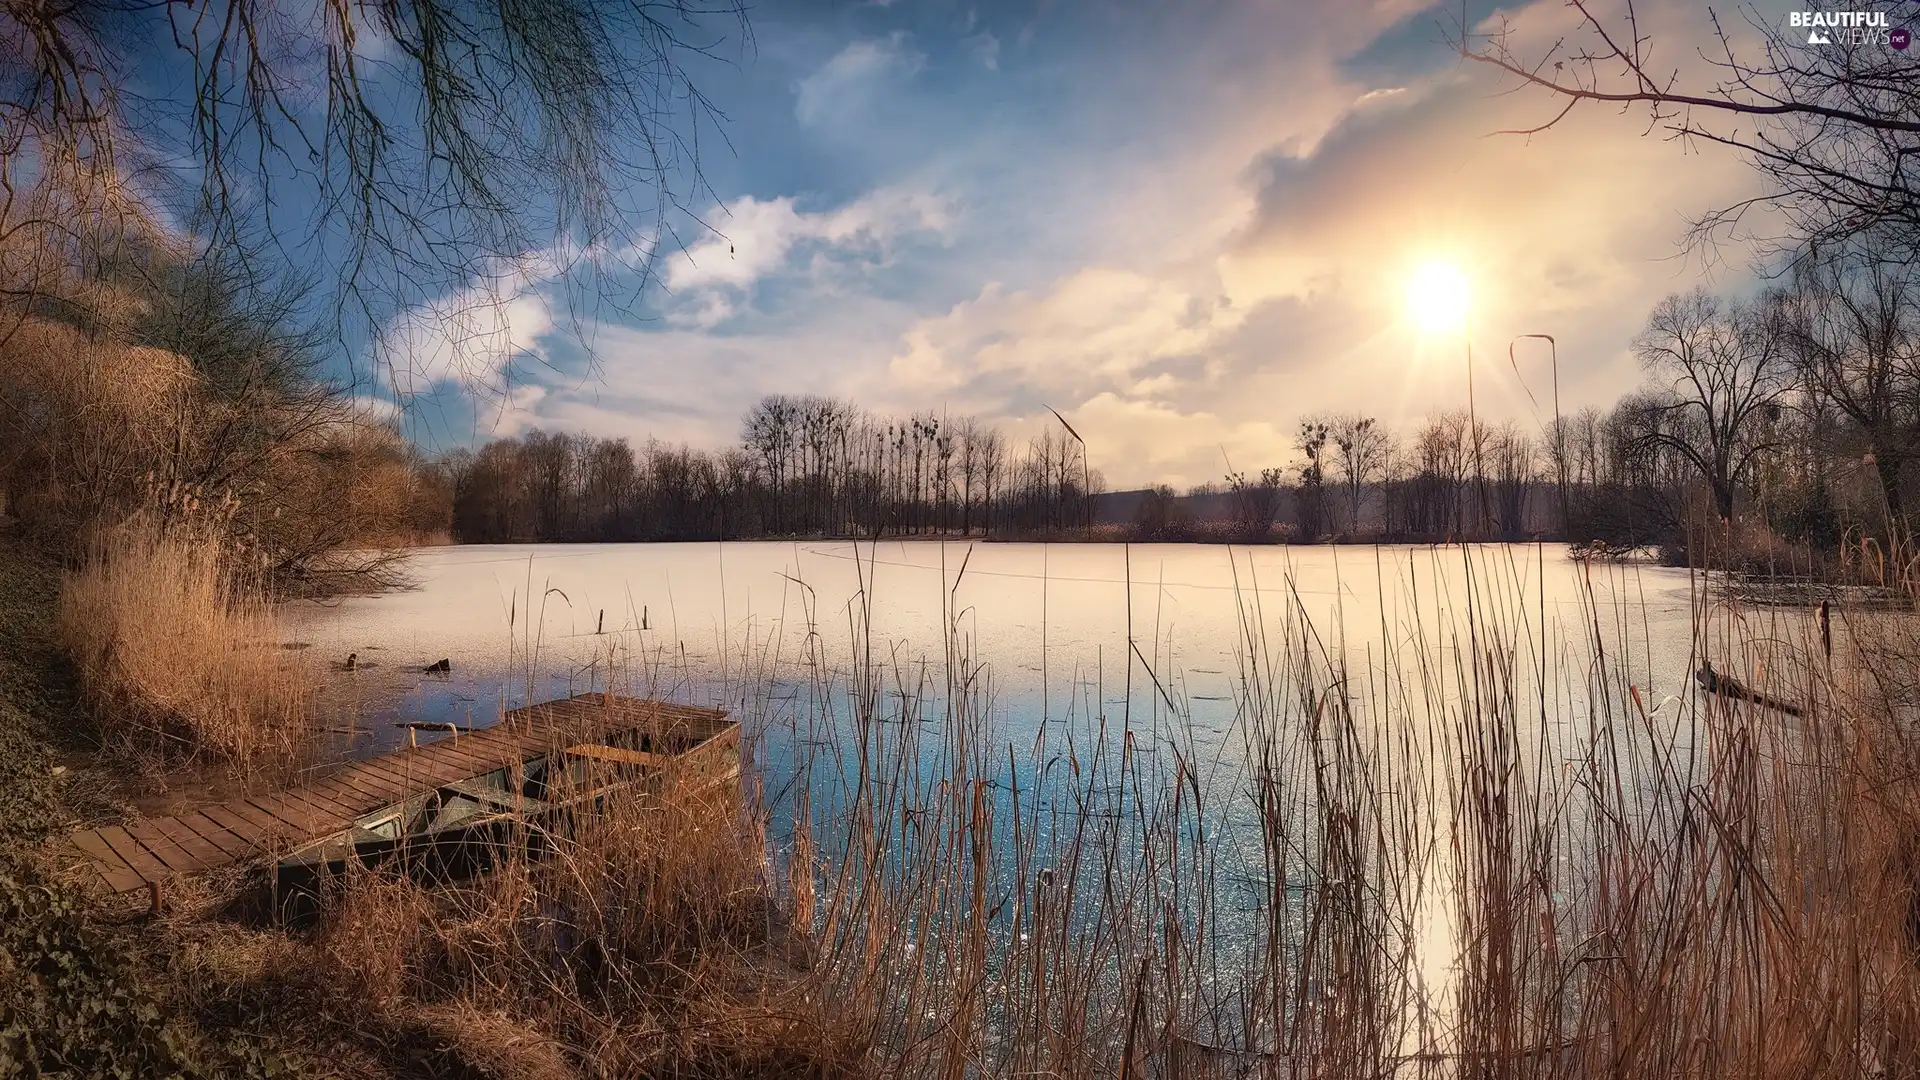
(1818, 37)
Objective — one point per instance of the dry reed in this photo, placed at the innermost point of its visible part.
(178, 651)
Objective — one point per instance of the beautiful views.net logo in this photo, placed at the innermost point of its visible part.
(1850, 28)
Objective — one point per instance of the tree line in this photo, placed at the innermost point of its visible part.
(1797, 409)
(804, 466)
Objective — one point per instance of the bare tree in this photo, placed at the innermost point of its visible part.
(1718, 370)
(1513, 455)
(1255, 502)
(442, 156)
(1443, 458)
(1310, 501)
(1360, 451)
(1834, 128)
(1856, 338)
(966, 433)
(993, 467)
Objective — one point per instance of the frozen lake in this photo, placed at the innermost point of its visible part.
(1050, 624)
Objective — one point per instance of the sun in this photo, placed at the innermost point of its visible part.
(1438, 294)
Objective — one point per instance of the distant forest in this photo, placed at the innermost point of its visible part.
(818, 467)
(1796, 412)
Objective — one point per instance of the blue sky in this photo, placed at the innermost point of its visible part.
(1183, 226)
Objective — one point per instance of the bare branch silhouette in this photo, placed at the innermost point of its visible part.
(1833, 128)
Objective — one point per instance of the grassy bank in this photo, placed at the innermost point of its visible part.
(76, 997)
(651, 938)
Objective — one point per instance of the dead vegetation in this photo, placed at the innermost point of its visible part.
(176, 648)
(100, 426)
(639, 943)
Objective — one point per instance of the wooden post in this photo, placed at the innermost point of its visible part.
(1826, 629)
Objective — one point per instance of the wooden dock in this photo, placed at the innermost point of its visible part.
(388, 796)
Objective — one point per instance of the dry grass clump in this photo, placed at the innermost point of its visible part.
(1710, 887)
(636, 943)
(1473, 857)
(177, 651)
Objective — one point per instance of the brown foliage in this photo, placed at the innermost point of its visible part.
(177, 651)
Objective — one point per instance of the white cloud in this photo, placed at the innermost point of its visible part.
(692, 386)
(759, 239)
(473, 337)
(844, 86)
(986, 49)
(1098, 330)
(519, 410)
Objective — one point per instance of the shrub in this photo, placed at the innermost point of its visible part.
(1159, 516)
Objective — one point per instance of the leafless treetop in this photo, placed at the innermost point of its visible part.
(416, 149)
(1835, 129)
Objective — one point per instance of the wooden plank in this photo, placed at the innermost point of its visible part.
(301, 821)
(433, 764)
(207, 855)
(269, 828)
(339, 804)
(168, 852)
(149, 850)
(465, 746)
(214, 833)
(374, 806)
(478, 748)
(475, 764)
(344, 793)
(376, 771)
(255, 836)
(119, 877)
(306, 819)
(90, 845)
(436, 767)
(373, 784)
(263, 834)
(472, 748)
(617, 756)
(398, 777)
(311, 803)
(544, 739)
(131, 853)
(113, 870)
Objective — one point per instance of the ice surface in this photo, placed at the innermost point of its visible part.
(514, 618)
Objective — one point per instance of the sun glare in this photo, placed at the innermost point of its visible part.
(1437, 297)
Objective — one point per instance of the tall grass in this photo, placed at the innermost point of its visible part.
(1484, 853)
(177, 649)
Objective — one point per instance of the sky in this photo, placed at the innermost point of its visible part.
(1185, 227)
